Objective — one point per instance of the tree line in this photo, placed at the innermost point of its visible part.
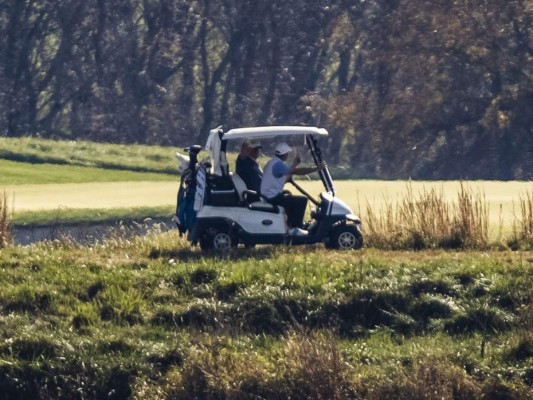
(406, 88)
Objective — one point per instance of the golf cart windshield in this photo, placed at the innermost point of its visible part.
(217, 142)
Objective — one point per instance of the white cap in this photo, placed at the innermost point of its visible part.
(283, 148)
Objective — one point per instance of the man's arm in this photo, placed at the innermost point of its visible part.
(304, 170)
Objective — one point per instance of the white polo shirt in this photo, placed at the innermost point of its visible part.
(274, 177)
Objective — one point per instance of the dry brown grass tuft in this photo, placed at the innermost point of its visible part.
(315, 368)
(432, 379)
(220, 372)
(5, 224)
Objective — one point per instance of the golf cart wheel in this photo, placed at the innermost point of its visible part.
(217, 240)
(345, 237)
(222, 241)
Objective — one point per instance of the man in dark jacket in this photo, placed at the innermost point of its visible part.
(247, 167)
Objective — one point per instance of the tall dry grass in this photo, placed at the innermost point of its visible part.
(523, 228)
(5, 224)
(427, 219)
(471, 217)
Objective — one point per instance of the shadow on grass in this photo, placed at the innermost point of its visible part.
(195, 254)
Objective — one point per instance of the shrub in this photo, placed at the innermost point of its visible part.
(481, 319)
(203, 275)
(28, 299)
(523, 351)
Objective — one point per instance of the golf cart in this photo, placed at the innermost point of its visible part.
(217, 211)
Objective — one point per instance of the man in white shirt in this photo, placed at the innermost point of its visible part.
(276, 173)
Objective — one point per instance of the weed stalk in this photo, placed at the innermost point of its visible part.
(5, 225)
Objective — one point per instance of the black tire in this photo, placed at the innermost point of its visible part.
(345, 237)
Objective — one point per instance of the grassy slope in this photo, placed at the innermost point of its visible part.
(109, 156)
(151, 318)
(130, 157)
(20, 173)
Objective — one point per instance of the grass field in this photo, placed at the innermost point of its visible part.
(150, 317)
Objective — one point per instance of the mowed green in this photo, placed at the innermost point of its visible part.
(32, 187)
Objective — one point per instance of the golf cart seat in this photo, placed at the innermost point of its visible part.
(250, 198)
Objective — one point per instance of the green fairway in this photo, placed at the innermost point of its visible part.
(357, 193)
(96, 195)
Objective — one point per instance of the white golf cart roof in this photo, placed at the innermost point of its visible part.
(217, 151)
(273, 131)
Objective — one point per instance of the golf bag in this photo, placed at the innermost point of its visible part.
(190, 187)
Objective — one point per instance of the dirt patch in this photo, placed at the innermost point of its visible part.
(89, 233)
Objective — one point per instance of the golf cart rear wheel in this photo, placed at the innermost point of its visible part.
(217, 240)
(345, 237)
(222, 241)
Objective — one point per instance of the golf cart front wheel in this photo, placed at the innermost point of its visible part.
(346, 237)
